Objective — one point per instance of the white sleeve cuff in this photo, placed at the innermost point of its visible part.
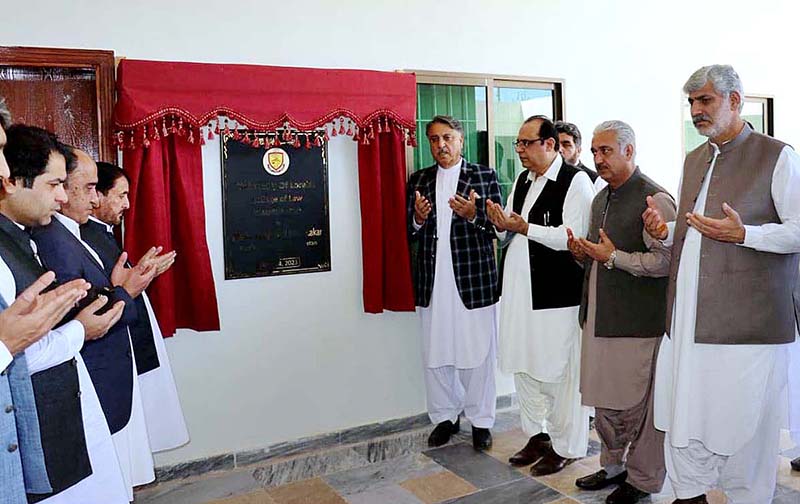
(753, 235)
(670, 234)
(414, 223)
(5, 357)
(75, 334)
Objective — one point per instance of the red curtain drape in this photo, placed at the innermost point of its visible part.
(384, 243)
(166, 196)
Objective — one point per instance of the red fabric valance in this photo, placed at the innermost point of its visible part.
(159, 98)
(165, 112)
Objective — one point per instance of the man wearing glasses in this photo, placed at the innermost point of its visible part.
(447, 220)
(539, 332)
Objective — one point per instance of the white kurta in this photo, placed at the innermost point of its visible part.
(452, 335)
(131, 442)
(715, 394)
(166, 426)
(105, 484)
(540, 342)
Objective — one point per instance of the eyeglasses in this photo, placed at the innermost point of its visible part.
(525, 143)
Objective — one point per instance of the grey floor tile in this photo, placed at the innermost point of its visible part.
(478, 468)
(381, 474)
(525, 490)
(387, 494)
(201, 490)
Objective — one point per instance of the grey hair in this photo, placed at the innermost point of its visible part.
(625, 134)
(5, 115)
(723, 77)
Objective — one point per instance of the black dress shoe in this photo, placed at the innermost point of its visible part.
(600, 480)
(481, 438)
(795, 464)
(537, 446)
(550, 463)
(700, 499)
(625, 494)
(441, 434)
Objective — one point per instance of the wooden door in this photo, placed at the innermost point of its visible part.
(67, 91)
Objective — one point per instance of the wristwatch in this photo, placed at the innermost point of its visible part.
(610, 263)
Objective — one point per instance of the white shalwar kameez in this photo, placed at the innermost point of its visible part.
(542, 348)
(131, 442)
(458, 345)
(166, 426)
(722, 406)
(105, 484)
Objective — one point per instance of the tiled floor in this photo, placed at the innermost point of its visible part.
(453, 473)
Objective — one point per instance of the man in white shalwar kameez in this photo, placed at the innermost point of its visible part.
(540, 338)
(455, 284)
(166, 427)
(721, 376)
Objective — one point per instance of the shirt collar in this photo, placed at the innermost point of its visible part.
(459, 165)
(108, 227)
(72, 226)
(552, 171)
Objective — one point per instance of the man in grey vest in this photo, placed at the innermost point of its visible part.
(622, 315)
(721, 376)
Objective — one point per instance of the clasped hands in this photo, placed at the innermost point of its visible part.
(463, 207)
(582, 248)
(729, 229)
(136, 279)
(513, 222)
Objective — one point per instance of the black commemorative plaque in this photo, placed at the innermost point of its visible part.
(275, 207)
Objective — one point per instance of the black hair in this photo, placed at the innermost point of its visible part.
(107, 176)
(569, 129)
(547, 129)
(447, 121)
(28, 151)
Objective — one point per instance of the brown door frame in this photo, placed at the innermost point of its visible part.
(101, 61)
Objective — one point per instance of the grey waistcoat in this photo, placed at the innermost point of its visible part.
(627, 305)
(744, 296)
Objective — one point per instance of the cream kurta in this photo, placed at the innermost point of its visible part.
(452, 335)
(540, 342)
(715, 393)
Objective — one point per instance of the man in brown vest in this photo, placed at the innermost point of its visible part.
(622, 315)
(732, 307)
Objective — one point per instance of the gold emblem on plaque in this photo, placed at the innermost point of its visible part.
(276, 161)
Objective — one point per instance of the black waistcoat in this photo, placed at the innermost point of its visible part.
(56, 390)
(627, 305)
(144, 347)
(556, 278)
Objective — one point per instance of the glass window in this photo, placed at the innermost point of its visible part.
(465, 103)
(512, 105)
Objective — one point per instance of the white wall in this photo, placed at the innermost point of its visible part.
(296, 356)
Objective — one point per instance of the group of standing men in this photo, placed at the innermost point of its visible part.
(674, 322)
(86, 391)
